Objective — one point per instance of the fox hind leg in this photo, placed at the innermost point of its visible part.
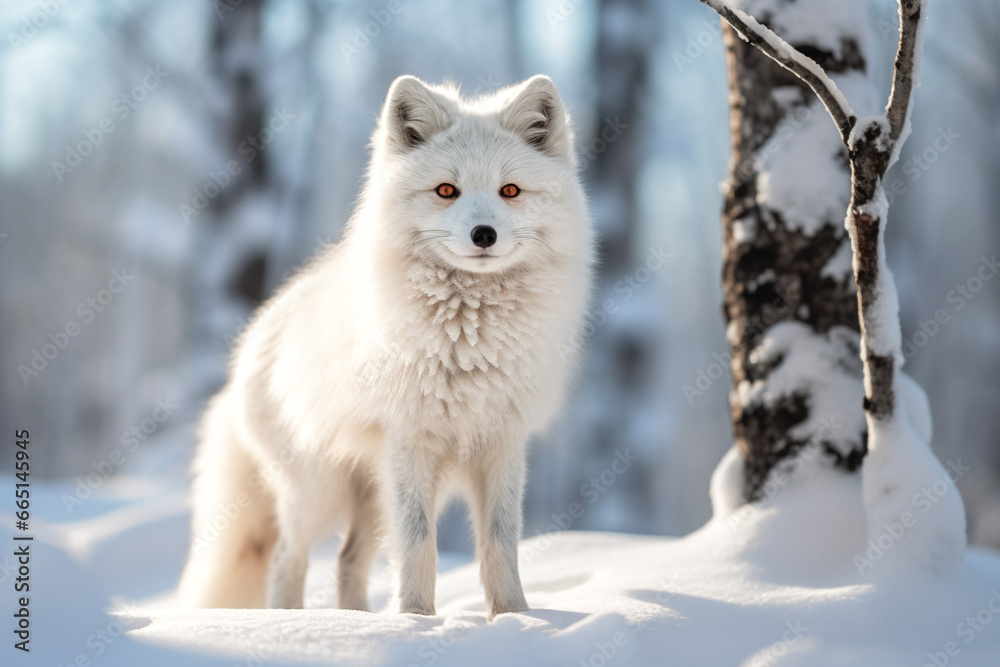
(233, 523)
(290, 556)
(360, 544)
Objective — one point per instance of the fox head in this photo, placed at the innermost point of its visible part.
(483, 185)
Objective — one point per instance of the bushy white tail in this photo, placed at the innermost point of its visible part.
(233, 526)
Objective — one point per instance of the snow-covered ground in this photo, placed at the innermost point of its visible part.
(790, 582)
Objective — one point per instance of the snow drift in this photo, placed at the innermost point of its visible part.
(794, 580)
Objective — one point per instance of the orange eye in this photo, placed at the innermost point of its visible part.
(446, 190)
(509, 191)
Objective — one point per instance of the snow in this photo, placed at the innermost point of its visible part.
(744, 229)
(883, 335)
(824, 367)
(839, 266)
(862, 126)
(826, 570)
(918, 52)
(786, 52)
(791, 180)
(793, 580)
(904, 134)
(909, 494)
(818, 22)
(911, 501)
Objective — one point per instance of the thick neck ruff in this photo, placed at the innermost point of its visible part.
(468, 342)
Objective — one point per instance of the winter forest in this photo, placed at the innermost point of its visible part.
(165, 167)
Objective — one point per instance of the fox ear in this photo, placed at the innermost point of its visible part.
(412, 113)
(536, 112)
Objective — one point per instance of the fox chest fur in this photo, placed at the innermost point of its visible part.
(469, 354)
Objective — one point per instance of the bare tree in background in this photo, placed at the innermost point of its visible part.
(620, 361)
(783, 264)
(237, 62)
(230, 274)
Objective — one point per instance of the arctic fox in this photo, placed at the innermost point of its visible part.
(411, 360)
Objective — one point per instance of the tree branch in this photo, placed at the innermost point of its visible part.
(793, 60)
(911, 16)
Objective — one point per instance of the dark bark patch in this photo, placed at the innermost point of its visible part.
(775, 273)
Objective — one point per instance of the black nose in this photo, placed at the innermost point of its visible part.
(484, 236)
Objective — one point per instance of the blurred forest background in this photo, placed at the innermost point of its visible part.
(164, 166)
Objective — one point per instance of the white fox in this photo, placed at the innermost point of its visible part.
(412, 359)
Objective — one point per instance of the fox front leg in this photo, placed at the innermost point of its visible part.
(497, 483)
(412, 484)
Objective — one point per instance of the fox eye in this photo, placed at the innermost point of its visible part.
(446, 191)
(510, 191)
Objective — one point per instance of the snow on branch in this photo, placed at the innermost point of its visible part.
(911, 20)
(794, 61)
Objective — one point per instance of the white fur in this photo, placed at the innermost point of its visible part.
(403, 361)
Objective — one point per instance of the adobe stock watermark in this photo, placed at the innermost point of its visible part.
(383, 362)
(264, 651)
(922, 502)
(918, 165)
(263, 313)
(625, 289)
(710, 32)
(792, 122)
(121, 108)
(562, 12)
(88, 310)
(225, 7)
(772, 654)
(435, 647)
(611, 130)
(32, 24)
(246, 152)
(8, 568)
(609, 133)
(209, 528)
(664, 589)
(363, 35)
(971, 627)
(590, 492)
(100, 642)
(130, 441)
(484, 84)
(705, 377)
(958, 298)
(605, 652)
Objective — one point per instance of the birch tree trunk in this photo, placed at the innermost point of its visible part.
(786, 254)
(900, 462)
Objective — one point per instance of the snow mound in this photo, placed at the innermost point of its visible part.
(775, 583)
(915, 512)
(771, 589)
